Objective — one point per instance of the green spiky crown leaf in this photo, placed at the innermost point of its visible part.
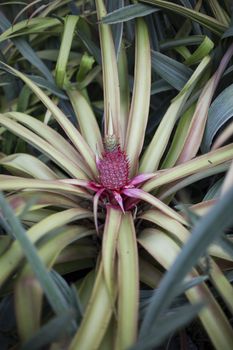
(110, 143)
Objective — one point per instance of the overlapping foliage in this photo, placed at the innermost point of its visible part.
(156, 76)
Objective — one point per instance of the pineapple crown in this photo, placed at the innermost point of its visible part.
(110, 143)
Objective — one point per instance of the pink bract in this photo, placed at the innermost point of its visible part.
(114, 181)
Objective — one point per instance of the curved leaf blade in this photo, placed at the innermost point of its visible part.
(58, 157)
(172, 71)
(127, 13)
(221, 111)
(110, 75)
(96, 317)
(128, 284)
(201, 163)
(67, 38)
(67, 126)
(139, 110)
(209, 22)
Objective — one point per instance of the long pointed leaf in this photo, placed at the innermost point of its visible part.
(154, 152)
(128, 280)
(207, 229)
(147, 197)
(196, 130)
(168, 224)
(26, 164)
(124, 90)
(18, 201)
(9, 183)
(67, 37)
(96, 317)
(28, 306)
(208, 160)
(49, 134)
(52, 293)
(177, 319)
(209, 22)
(127, 13)
(43, 146)
(67, 126)
(86, 120)
(212, 317)
(15, 254)
(110, 235)
(220, 112)
(141, 96)
(110, 74)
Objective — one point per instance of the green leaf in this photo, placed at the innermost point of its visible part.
(109, 246)
(85, 287)
(86, 64)
(6, 239)
(183, 41)
(28, 306)
(220, 112)
(154, 152)
(67, 38)
(228, 33)
(28, 26)
(110, 76)
(54, 296)
(195, 281)
(50, 135)
(204, 233)
(193, 166)
(214, 191)
(50, 248)
(19, 201)
(169, 190)
(174, 320)
(86, 120)
(149, 274)
(9, 183)
(226, 244)
(61, 118)
(127, 13)
(219, 12)
(69, 292)
(202, 50)
(24, 48)
(117, 29)
(139, 109)
(49, 332)
(172, 71)
(197, 126)
(43, 146)
(124, 89)
(160, 86)
(213, 319)
(217, 277)
(90, 45)
(23, 99)
(174, 228)
(96, 317)
(51, 87)
(179, 138)
(128, 284)
(208, 22)
(15, 253)
(149, 198)
(89, 78)
(25, 164)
